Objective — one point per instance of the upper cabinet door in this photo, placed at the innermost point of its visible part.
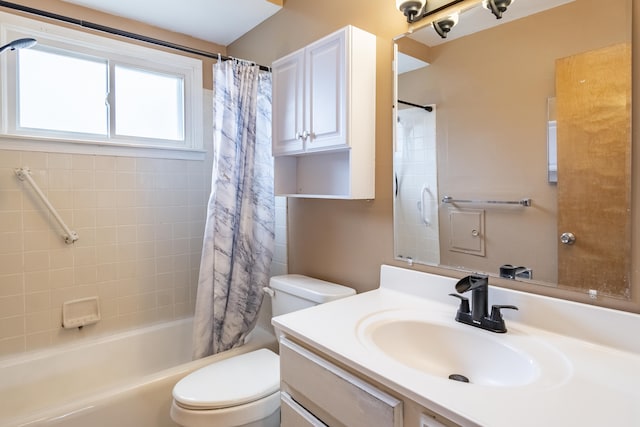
(326, 116)
(287, 101)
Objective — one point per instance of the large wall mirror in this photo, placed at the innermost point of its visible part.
(512, 151)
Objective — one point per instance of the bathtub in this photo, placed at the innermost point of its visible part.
(122, 380)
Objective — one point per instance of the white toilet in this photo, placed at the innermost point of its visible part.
(244, 390)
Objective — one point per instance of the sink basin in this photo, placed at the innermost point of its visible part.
(444, 348)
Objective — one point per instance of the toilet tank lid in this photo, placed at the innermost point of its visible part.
(318, 291)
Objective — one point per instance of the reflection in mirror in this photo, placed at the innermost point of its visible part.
(500, 91)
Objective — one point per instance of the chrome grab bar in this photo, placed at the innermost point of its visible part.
(521, 202)
(423, 205)
(25, 174)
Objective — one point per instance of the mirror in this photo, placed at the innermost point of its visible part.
(522, 166)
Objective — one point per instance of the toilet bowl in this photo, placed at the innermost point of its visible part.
(239, 391)
(244, 390)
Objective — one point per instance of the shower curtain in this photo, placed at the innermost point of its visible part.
(239, 231)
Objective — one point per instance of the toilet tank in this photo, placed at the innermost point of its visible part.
(293, 292)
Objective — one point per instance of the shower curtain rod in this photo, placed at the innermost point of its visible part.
(122, 33)
(424, 107)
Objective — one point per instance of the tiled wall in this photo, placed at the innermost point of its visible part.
(279, 265)
(140, 223)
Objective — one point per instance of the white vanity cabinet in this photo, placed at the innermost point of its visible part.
(316, 392)
(324, 118)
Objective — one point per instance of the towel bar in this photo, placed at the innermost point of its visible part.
(521, 202)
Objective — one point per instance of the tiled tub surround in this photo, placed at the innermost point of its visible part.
(121, 380)
(593, 383)
(140, 222)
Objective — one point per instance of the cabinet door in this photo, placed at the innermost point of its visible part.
(351, 402)
(287, 102)
(326, 114)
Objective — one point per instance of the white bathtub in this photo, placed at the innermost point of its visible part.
(123, 380)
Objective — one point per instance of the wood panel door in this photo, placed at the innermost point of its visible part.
(593, 96)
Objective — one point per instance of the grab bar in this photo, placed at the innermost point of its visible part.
(25, 174)
(423, 206)
(521, 202)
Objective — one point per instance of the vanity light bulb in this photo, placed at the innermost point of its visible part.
(404, 4)
(412, 9)
(455, 18)
(444, 25)
(497, 7)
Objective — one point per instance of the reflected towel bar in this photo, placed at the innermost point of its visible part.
(522, 202)
(25, 174)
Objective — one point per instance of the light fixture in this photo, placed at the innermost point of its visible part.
(415, 10)
(497, 7)
(444, 25)
(18, 44)
(412, 9)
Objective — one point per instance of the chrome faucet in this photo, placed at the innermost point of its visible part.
(478, 314)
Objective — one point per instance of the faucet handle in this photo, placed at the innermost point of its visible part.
(496, 315)
(464, 303)
(495, 322)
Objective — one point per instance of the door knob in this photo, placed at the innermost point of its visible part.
(568, 238)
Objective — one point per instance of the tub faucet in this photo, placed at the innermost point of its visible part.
(478, 314)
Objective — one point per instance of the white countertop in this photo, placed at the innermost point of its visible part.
(591, 380)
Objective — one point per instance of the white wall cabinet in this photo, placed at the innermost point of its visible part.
(324, 118)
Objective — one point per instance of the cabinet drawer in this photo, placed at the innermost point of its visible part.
(294, 415)
(332, 394)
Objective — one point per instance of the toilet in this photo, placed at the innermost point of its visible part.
(244, 390)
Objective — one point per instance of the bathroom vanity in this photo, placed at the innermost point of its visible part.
(385, 358)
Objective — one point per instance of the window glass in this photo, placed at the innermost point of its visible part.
(148, 104)
(61, 91)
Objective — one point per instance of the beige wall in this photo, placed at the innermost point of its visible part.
(346, 241)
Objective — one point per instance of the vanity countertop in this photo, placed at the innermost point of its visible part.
(591, 380)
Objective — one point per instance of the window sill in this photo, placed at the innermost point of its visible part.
(100, 149)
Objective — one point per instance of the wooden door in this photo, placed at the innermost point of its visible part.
(593, 95)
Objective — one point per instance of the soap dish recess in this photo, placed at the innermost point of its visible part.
(80, 312)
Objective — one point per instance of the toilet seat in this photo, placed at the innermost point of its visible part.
(230, 382)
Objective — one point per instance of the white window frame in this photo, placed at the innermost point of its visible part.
(115, 52)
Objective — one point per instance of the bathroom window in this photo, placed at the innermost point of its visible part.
(61, 92)
(159, 96)
(77, 87)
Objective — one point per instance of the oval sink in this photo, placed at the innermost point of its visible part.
(447, 349)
